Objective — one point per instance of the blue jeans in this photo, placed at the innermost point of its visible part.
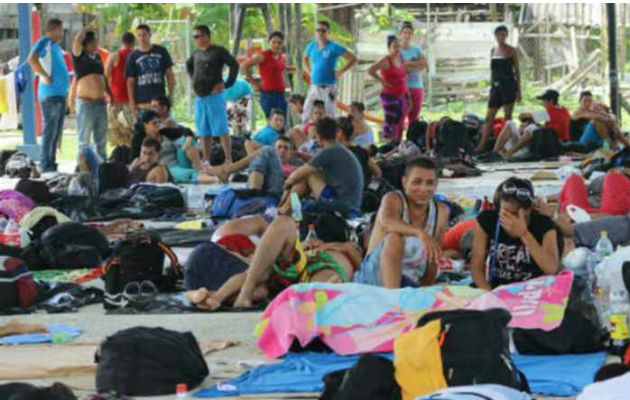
(92, 119)
(271, 100)
(53, 114)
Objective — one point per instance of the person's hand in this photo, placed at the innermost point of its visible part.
(338, 74)
(518, 97)
(432, 250)
(515, 226)
(543, 207)
(46, 80)
(288, 184)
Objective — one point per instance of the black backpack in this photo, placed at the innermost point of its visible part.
(453, 141)
(5, 155)
(393, 171)
(163, 196)
(138, 258)
(372, 377)
(474, 346)
(145, 361)
(373, 194)
(545, 144)
(238, 151)
(112, 175)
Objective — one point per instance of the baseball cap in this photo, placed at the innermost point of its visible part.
(549, 94)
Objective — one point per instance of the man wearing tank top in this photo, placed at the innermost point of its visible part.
(406, 240)
(120, 120)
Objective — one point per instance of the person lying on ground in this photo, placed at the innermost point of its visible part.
(147, 168)
(252, 226)
(521, 243)
(183, 163)
(601, 124)
(289, 158)
(304, 138)
(554, 116)
(363, 135)
(265, 170)
(281, 259)
(345, 133)
(405, 244)
(267, 135)
(333, 175)
(162, 106)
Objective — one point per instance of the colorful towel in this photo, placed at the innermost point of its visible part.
(77, 276)
(354, 318)
(303, 373)
(57, 334)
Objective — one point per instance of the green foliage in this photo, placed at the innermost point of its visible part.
(384, 18)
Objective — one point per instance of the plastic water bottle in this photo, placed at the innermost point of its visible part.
(181, 390)
(604, 247)
(619, 309)
(311, 235)
(195, 197)
(296, 207)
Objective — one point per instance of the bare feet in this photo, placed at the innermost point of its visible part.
(210, 303)
(197, 296)
(218, 171)
(242, 302)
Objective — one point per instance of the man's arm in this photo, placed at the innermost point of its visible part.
(77, 43)
(431, 272)
(33, 60)
(131, 84)
(374, 168)
(231, 62)
(170, 79)
(351, 59)
(306, 62)
(478, 262)
(72, 95)
(390, 217)
(299, 175)
(112, 62)
(545, 256)
(257, 59)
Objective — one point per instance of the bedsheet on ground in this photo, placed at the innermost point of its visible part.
(74, 276)
(303, 373)
(57, 333)
(353, 318)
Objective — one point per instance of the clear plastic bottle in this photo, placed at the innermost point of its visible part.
(296, 207)
(619, 309)
(195, 197)
(311, 235)
(604, 246)
(181, 391)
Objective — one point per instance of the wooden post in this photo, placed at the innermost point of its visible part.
(289, 43)
(267, 16)
(430, 56)
(622, 39)
(240, 18)
(298, 52)
(281, 17)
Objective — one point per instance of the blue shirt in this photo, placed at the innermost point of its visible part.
(51, 59)
(238, 90)
(414, 78)
(324, 61)
(266, 136)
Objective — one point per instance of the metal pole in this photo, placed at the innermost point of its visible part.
(298, 48)
(613, 79)
(240, 18)
(28, 98)
(189, 86)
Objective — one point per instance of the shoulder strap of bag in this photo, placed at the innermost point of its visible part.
(171, 256)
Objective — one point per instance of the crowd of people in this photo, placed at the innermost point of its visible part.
(330, 161)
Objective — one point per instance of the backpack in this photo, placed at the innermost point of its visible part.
(210, 266)
(372, 377)
(138, 258)
(70, 245)
(18, 390)
(5, 155)
(229, 202)
(579, 332)
(164, 196)
(453, 141)
(393, 171)
(112, 175)
(17, 287)
(329, 227)
(545, 144)
(456, 348)
(35, 190)
(373, 194)
(18, 165)
(217, 157)
(143, 361)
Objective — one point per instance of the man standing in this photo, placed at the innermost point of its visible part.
(320, 61)
(205, 68)
(120, 119)
(146, 69)
(48, 62)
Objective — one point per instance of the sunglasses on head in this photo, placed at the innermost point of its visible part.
(522, 195)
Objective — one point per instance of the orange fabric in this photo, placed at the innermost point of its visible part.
(418, 361)
(453, 236)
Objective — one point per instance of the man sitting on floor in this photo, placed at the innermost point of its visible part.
(404, 246)
(267, 135)
(333, 175)
(147, 168)
(290, 163)
(601, 126)
(280, 260)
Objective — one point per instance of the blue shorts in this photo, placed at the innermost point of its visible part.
(369, 273)
(590, 135)
(271, 100)
(211, 115)
(183, 175)
(328, 194)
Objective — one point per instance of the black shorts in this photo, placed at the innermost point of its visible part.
(502, 93)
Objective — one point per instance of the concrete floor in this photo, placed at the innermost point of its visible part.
(236, 326)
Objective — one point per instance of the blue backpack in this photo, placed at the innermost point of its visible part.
(231, 203)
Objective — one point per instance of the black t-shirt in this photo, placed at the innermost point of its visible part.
(87, 64)
(205, 67)
(149, 69)
(514, 263)
(363, 156)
